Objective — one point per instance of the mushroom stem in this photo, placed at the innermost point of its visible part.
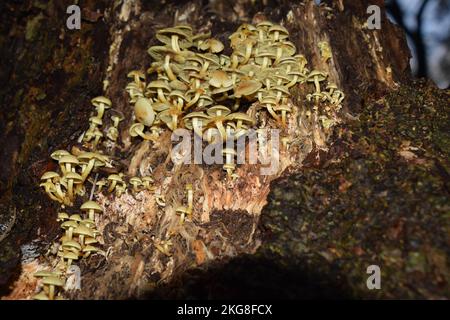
(222, 130)
(51, 292)
(81, 241)
(168, 70)
(70, 189)
(60, 193)
(69, 233)
(91, 214)
(100, 110)
(234, 61)
(174, 42)
(196, 125)
(276, 35)
(272, 112)
(292, 82)
(194, 99)
(248, 52)
(87, 170)
(265, 62)
(317, 84)
(278, 55)
(112, 186)
(174, 121)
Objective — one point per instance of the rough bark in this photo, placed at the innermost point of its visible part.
(376, 194)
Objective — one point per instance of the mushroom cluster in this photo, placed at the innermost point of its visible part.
(193, 85)
(78, 241)
(190, 84)
(63, 187)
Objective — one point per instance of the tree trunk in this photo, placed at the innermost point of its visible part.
(373, 190)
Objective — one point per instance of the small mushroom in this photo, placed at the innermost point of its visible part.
(69, 226)
(52, 282)
(82, 231)
(67, 163)
(217, 115)
(72, 178)
(101, 103)
(69, 256)
(316, 77)
(137, 129)
(144, 112)
(87, 250)
(113, 179)
(136, 182)
(62, 216)
(91, 207)
(147, 183)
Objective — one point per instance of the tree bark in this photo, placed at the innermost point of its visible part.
(375, 193)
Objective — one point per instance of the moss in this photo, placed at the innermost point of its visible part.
(32, 27)
(373, 205)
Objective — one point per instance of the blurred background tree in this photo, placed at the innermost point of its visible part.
(427, 25)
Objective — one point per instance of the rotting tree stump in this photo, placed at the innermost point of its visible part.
(375, 192)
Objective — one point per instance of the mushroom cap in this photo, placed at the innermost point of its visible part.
(53, 281)
(288, 48)
(41, 296)
(49, 175)
(83, 230)
(219, 78)
(63, 215)
(241, 116)
(56, 155)
(247, 88)
(177, 94)
(148, 178)
(283, 89)
(211, 57)
(88, 223)
(181, 32)
(317, 74)
(178, 85)
(143, 111)
(89, 240)
(279, 28)
(114, 177)
(68, 159)
(332, 85)
(46, 273)
(75, 217)
(135, 180)
(97, 101)
(69, 224)
(91, 205)
(282, 107)
(160, 106)
(195, 114)
(212, 44)
(269, 100)
(89, 248)
(214, 111)
(136, 129)
(69, 255)
(264, 24)
(137, 73)
(159, 84)
(71, 244)
(73, 176)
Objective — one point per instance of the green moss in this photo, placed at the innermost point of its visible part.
(32, 27)
(376, 205)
